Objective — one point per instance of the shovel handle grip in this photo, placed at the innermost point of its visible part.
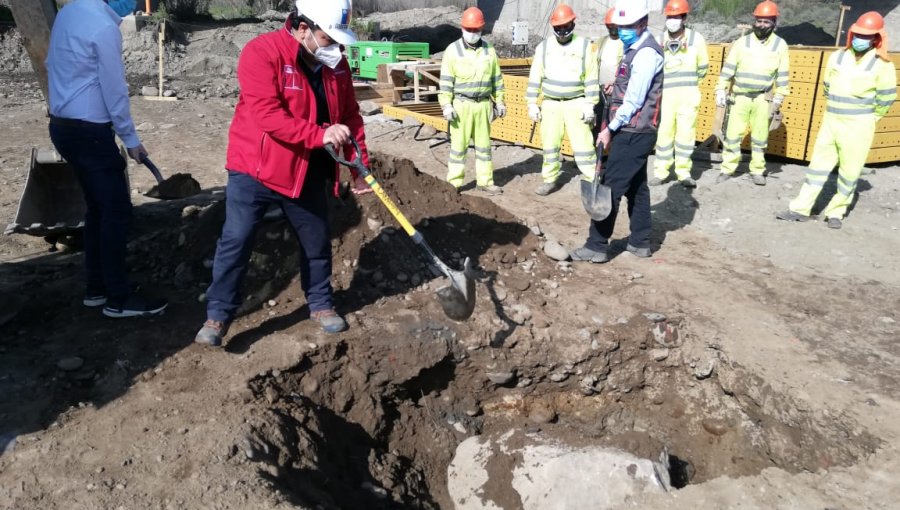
(149, 164)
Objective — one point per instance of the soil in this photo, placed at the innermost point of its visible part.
(760, 357)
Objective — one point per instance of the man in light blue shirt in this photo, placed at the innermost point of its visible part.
(89, 105)
(635, 98)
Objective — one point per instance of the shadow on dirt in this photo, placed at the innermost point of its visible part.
(675, 212)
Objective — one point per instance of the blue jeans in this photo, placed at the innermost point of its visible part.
(626, 175)
(92, 152)
(246, 202)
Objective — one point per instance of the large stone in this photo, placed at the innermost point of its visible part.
(555, 251)
(548, 475)
(369, 108)
(148, 90)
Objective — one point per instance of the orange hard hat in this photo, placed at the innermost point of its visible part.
(562, 15)
(677, 7)
(767, 9)
(871, 23)
(473, 19)
(609, 14)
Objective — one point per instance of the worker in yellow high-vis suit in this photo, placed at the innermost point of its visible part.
(860, 87)
(609, 55)
(758, 65)
(471, 95)
(611, 51)
(564, 69)
(687, 62)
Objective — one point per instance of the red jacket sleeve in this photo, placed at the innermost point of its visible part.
(257, 77)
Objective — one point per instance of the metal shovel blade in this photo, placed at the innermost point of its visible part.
(596, 198)
(175, 187)
(458, 298)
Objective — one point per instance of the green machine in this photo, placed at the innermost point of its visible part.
(366, 56)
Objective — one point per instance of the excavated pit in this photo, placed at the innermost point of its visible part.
(372, 419)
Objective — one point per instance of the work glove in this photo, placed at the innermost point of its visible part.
(721, 98)
(587, 113)
(449, 113)
(499, 110)
(775, 106)
(534, 112)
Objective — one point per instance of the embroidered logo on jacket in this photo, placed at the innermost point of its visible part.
(290, 78)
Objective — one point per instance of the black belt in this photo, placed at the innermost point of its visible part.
(474, 99)
(61, 121)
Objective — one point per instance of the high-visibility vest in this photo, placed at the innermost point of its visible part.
(470, 73)
(564, 71)
(756, 66)
(859, 87)
(611, 52)
(688, 65)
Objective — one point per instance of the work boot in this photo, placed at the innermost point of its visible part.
(94, 297)
(687, 182)
(639, 252)
(585, 254)
(790, 215)
(211, 333)
(834, 223)
(723, 177)
(547, 188)
(490, 189)
(330, 321)
(758, 179)
(134, 305)
(656, 181)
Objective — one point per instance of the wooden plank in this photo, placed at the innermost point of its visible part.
(34, 18)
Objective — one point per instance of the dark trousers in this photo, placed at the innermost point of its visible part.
(92, 152)
(626, 175)
(246, 202)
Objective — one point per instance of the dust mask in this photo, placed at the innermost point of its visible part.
(328, 55)
(471, 37)
(122, 7)
(861, 45)
(673, 25)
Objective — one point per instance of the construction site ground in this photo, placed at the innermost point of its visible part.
(763, 355)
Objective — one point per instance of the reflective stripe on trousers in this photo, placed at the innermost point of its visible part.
(564, 117)
(835, 148)
(746, 111)
(677, 132)
(473, 122)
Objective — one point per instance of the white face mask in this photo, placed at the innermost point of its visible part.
(329, 55)
(471, 37)
(674, 25)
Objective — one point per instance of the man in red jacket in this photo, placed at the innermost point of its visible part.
(296, 97)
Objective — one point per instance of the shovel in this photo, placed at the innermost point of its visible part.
(596, 198)
(173, 188)
(457, 299)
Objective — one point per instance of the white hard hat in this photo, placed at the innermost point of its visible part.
(332, 16)
(628, 12)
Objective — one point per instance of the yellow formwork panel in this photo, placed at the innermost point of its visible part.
(884, 155)
(803, 108)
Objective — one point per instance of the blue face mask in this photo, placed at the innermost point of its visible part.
(861, 45)
(628, 36)
(122, 7)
